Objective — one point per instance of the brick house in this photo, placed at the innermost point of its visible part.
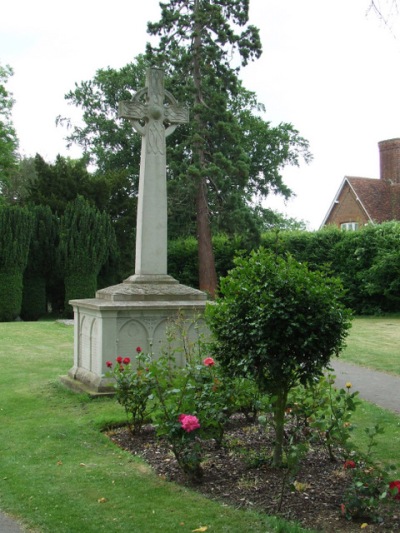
(360, 201)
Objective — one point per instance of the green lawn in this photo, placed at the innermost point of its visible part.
(59, 474)
(388, 444)
(374, 342)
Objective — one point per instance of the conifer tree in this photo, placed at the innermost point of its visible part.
(15, 235)
(41, 263)
(86, 240)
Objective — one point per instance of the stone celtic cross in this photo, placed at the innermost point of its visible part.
(154, 113)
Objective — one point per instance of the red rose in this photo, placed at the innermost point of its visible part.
(138, 349)
(395, 485)
(119, 359)
(349, 464)
(209, 361)
(126, 361)
(108, 364)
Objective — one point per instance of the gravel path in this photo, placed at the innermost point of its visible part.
(376, 387)
(8, 525)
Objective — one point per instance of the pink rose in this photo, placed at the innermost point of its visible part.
(138, 349)
(189, 422)
(126, 361)
(108, 364)
(119, 359)
(209, 361)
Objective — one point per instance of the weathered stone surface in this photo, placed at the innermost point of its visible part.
(155, 114)
(150, 291)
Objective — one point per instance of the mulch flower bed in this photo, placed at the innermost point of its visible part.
(239, 474)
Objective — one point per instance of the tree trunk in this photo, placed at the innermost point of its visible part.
(207, 272)
(279, 419)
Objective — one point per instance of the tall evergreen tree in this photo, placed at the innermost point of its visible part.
(202, 49)
(41, 263)
(58, 183)
(15, 235)
(86, 240)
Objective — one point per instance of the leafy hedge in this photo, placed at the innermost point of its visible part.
(183, 259)
(367, 261)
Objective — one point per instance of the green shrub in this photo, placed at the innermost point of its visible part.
(280, 323)
(365, 260)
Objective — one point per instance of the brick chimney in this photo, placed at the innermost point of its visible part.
(389, 156)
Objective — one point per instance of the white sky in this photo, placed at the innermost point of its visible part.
(327, 67)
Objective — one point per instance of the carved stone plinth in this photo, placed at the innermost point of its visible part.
(123, 317)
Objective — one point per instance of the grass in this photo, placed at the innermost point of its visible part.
(374, 343)
(60, 474)
(387, 450)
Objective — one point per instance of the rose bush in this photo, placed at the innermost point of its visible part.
(134, 387)
(195, 388)
(189, 422)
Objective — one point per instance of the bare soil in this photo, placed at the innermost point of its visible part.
(239, 474)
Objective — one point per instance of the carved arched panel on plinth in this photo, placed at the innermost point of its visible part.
(95, 356)
(131, 335)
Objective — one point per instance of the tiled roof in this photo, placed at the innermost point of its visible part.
(380, 199)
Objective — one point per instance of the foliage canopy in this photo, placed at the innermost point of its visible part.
(8, 136)
(280, 323)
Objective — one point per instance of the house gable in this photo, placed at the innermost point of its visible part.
(347, 207)
(363, 200)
